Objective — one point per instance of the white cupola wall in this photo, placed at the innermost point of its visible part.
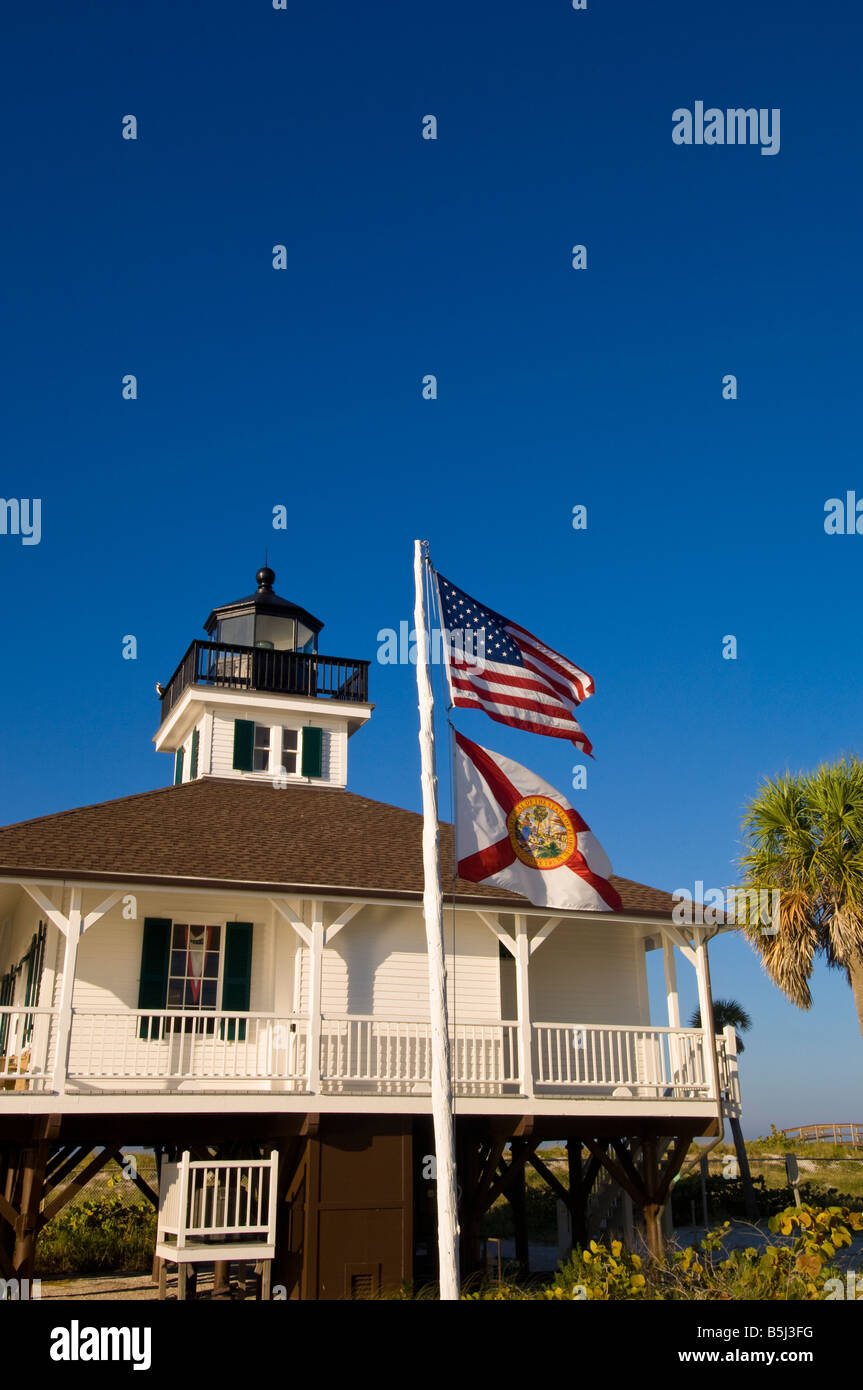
(258, 701)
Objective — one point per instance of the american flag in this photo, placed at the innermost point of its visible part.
(495, 665)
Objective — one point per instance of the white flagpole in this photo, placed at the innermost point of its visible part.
(441, 1079)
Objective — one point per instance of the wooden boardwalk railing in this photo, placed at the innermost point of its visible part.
(850, 1133)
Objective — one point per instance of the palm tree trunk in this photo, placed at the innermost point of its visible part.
(749, 1197)
(855, 970)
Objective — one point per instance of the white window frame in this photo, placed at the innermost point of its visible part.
(256, 749)
(185, 1008)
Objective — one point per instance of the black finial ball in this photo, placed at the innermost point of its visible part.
(266, 578)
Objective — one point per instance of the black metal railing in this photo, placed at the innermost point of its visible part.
(264, 668)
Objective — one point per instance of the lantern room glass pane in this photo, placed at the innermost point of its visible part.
(236, 632)
(279, 633)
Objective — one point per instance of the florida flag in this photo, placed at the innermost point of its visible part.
(515, 831)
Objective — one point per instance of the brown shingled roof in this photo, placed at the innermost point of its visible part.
(228, 831)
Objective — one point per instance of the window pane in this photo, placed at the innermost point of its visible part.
(194, 967)
(289, 740)
(236, 632)
(289, 762)
(262, 735)
(261, 760)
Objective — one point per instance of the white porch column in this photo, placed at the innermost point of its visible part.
(67, 987)
(673, 1000)
(316, 972)
(705, 1003)
(522, 994)
(671, 982)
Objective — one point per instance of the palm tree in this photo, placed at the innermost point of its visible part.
(727, 1013)
(804, 838)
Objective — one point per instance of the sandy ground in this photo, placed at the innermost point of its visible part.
(115, 1287)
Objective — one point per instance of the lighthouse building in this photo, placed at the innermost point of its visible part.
(234, 966)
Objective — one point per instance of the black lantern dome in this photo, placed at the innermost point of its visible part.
(264, 620)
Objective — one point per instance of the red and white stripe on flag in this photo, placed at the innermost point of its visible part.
(516, 831)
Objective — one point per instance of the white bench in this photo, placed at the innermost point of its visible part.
(217, 1209)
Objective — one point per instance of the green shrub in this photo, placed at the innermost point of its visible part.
(97, 1235)
(795, 1269)
(726, 1198)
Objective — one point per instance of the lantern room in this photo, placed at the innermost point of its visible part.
(257, 699)
(264, 620)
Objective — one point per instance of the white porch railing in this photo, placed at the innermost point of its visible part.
(666, 1062)
(397, 1053)
(118, 1049)
(25, 1041)
(729, 1076)
(160, 1045)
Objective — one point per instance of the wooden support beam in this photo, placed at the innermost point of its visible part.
(33, 1161)
(8, 1212)
(544, 933)
(517, 1197)
(59, 1171)
(74, 1187)
(285, 910)
(93, 917)
(673, 1165)
(494, 926)
(621, 1177)
(492, 1164)
(508, 1171)
(60, 1154)
(342, 921)
(144, 1187)
(676, 936)
(45, 904)
(624, 1158)
(581, 1179)
(651, 1206)
(554, 1183)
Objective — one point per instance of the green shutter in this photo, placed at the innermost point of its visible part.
(31, 965)
(193, 756)
(178, 767)
(153, 989)
(34, 979)
(244, 743)
(313, 752)
(7, 986)
(237, 977)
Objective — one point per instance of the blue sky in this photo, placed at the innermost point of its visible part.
(555, 387)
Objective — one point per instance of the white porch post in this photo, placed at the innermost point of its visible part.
(705, 1003)
(673, 1000)
(671, 982)
(316, 973)
(67, 986)
(522, 994)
